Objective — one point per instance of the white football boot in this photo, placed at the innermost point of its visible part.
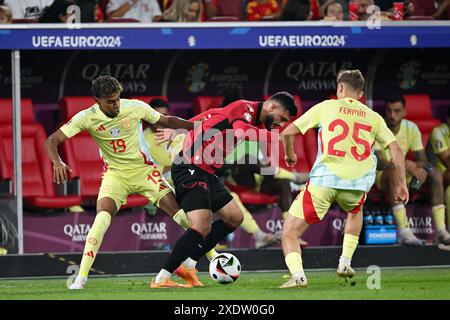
(78, 284)
(295, 282)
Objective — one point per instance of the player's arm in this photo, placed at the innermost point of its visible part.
(401, 190)
(444, 156)
(287, 136)
(416, 168)
(59, 167)
(173, 122)
(381, 163)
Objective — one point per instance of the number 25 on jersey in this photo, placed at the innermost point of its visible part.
(357, 127)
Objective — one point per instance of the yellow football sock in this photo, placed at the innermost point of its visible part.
(447, 204)
(181, 219)
(248, 224)
(211, 254)
(294, 262)
(399, 212)
(93, 241)
(284, 174)
(349, 245)
(439, 216)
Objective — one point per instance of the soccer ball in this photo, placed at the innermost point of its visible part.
(225, 268)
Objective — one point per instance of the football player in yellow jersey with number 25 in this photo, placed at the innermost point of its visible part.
(344, 170)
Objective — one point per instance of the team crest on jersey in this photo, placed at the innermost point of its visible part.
(438, 144)
(115, 132)
(248, 116)
(126, 123)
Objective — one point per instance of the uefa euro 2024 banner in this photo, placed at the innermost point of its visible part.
(182, 75)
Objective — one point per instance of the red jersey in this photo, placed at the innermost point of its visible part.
(220, 130)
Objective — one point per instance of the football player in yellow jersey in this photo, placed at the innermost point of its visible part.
(344, 170)
(438, 151)
(115, 125)
(418, 172)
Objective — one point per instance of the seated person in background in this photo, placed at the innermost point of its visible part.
(296, 10)
(442, 12)
(257, 9)
(209, 8)
(438, 151)
(184, 11)
(325, 3)
(333, 11)
(142, 10)
(418, 172)
(5, 15)
(27, 9)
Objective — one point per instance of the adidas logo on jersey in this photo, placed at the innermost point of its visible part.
(90, 254)
(101, 128)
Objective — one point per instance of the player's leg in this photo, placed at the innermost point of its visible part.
(309, 207)
(352, 202)
(192, 193)
(262, 239)
(111, 196)
(231, 218)
(446, 178)
(281, 188)
(386, 182)
(436, 186)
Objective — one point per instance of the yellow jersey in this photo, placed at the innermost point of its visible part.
(440, 142)
(347, 132)
(158, 152)
(408, 137)
(120, 139)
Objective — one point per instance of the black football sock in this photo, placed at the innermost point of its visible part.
(219, 230)
(187, 244)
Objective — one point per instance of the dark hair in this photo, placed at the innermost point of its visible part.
(286, 100)
(296, 10)
(53, 13)
(158, 103)
(395, 97)
(353, 78)
(105, 86)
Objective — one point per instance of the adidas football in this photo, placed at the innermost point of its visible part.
(225, 268)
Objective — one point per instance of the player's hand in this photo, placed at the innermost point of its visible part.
(164, 135)
(401, 194)
(420, 173)
(60, 172)
(291, 159)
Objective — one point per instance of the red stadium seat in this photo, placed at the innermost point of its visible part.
(25, 21)
(248, 196)
(83, 156)
(203, 103)
(421, 18)
(37, 182)
(418, 110)
(6, 114)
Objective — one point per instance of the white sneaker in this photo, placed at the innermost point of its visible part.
(295, 282)
(78, 284)
(345, 271)
(268, 240)
(407, 238)
(443, 237)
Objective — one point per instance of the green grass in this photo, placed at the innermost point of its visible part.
(395, 284)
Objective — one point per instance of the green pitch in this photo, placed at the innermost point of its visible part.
(395, 284)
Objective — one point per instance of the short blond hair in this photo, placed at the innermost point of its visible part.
(7, 12)
(352, 78)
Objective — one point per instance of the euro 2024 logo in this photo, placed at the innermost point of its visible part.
(407, 76)
(197, 77)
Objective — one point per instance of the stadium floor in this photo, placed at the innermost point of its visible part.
(399, 283)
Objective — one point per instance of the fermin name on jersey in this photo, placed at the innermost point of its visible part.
(352, 112)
